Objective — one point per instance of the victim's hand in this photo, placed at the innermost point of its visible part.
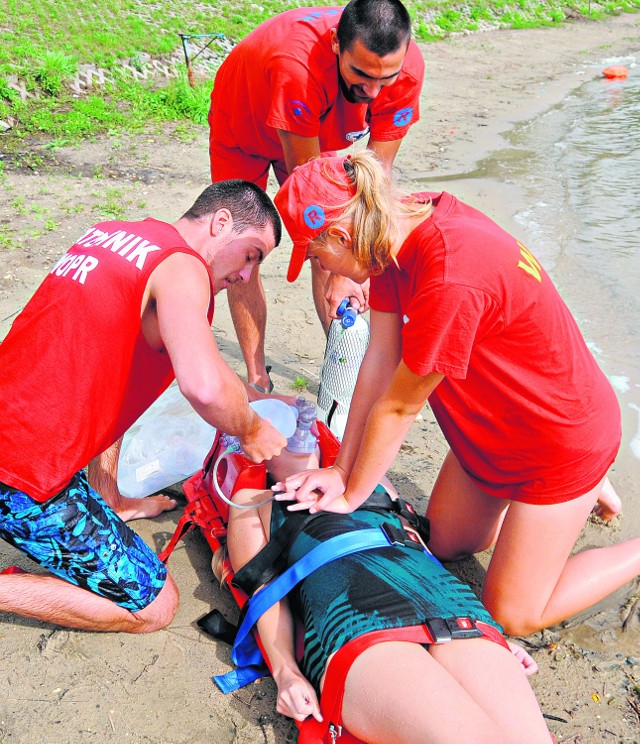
(528, 663)
(296, 697)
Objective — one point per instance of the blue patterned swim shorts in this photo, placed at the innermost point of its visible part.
(79, 538)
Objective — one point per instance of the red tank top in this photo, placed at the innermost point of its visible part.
(76, 369)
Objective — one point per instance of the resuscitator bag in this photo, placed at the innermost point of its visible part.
(166, 445)
(281, 416)
(169, 442)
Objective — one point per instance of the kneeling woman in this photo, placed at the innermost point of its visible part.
(463, 316)
(471, 689)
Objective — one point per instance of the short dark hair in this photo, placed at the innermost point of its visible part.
(383, 26)
(249, 205)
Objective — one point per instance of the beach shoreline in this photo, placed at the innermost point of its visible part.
(67, 686)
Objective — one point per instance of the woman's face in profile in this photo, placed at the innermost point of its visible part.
(334, 254)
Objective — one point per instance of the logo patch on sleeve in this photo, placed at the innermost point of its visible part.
(403, 116)
(299, 111)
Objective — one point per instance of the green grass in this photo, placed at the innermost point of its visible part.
(44, 44)
(434, 19)
(300, 384)
(113, 205)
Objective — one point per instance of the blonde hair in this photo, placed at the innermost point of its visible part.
(220, 563)
(372, 212)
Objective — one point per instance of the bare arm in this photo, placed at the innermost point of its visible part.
(387, 398)
(386, 151)
(298, 149)
(385, 430)
(246, 536)
(380, 361)
(204, 378)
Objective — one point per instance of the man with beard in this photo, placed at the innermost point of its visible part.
(303, 82)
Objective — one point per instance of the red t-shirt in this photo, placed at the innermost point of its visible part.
(284, 75)
(523, 404)
(76, 369)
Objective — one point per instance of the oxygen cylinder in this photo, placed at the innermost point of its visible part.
(343, 356)
(346, 313)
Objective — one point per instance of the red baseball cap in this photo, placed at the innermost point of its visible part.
(310, 201)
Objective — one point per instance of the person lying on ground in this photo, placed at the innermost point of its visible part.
(406, 692)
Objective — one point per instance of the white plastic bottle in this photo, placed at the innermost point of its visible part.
(343, 356)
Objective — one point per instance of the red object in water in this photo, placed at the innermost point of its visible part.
(615, 71)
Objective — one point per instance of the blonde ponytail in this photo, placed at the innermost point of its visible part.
(372, 212)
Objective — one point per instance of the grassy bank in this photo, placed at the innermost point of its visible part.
(44, 46)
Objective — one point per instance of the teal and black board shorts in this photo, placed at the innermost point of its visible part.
(79, 538)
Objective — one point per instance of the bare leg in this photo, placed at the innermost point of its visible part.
(248, 306)
(533, 552)
(533, 581)
(56, 601)
(495, 679)
(102, 477)
(417, 699)
(319, 278)
(454, 535)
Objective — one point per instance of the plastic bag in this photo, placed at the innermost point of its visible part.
(166, 445)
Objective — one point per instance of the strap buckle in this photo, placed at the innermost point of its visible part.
(334, 732)
(405, 509)
(418, 522)
(398, 536)
(445, 629)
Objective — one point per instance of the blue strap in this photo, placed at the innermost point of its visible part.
(237, 678)
(245, 653)
(329, 550)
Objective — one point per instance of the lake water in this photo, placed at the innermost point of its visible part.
(579, 171)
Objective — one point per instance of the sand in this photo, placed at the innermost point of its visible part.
(66, 686)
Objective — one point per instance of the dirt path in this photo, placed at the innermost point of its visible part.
(64, 686)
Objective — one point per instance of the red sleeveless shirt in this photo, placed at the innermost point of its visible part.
(75, 369)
